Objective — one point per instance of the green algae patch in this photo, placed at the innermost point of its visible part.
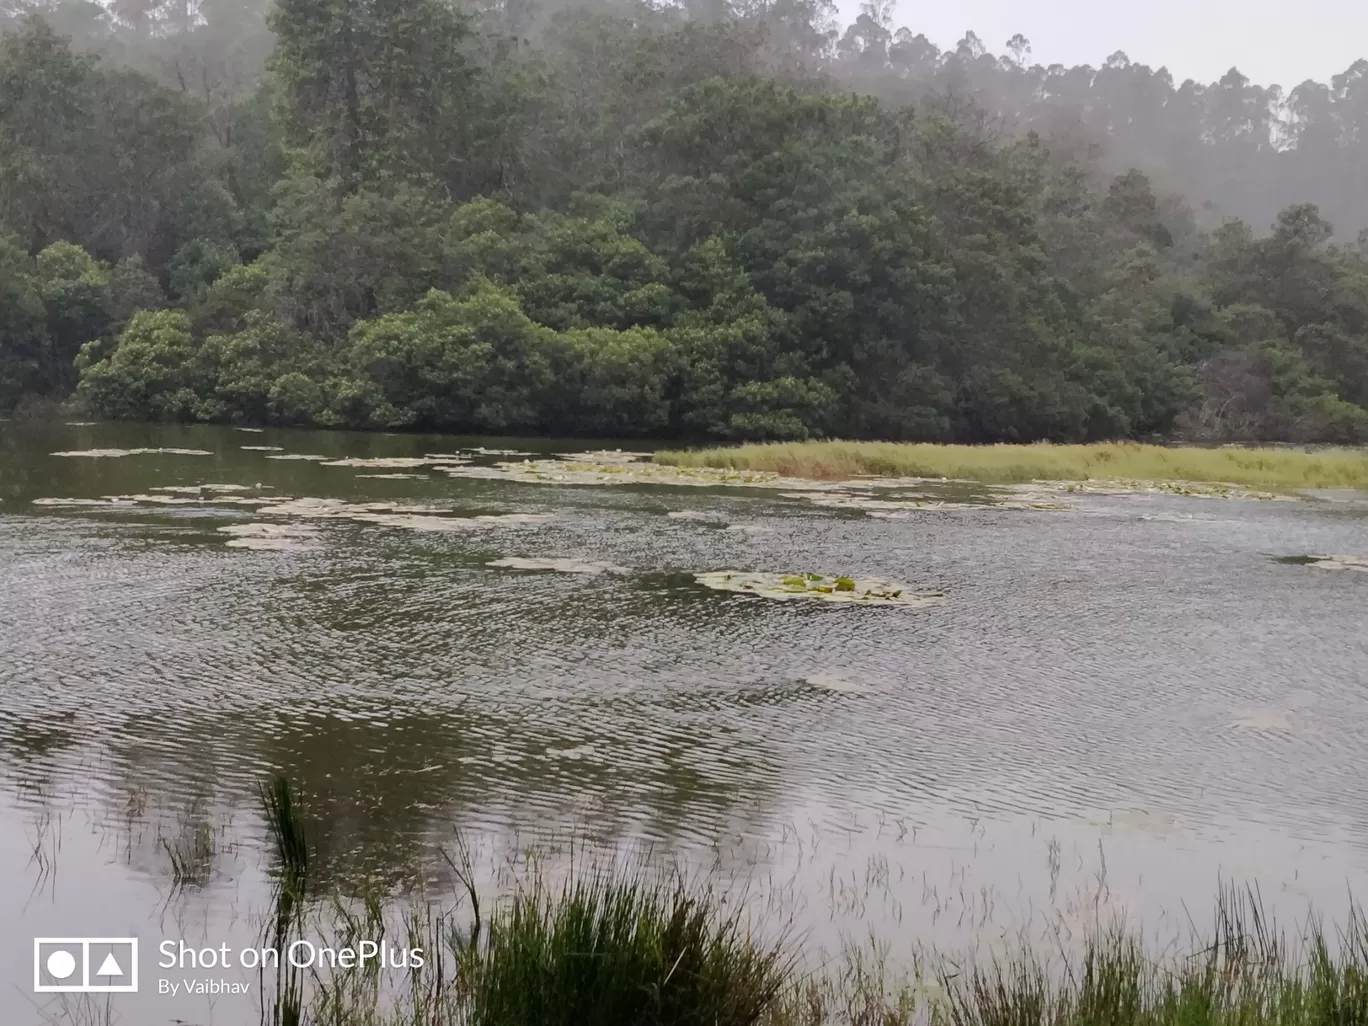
(564, 566)
(1233, 468)
(865, 591)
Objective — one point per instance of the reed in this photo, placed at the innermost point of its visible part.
(1266, 468)
(614, 947)
(623, 950)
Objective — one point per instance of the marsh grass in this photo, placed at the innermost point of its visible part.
(614, 946)
(607, 948)
(1269, 468)
(1244, 972)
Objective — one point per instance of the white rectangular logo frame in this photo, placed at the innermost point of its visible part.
(85, 986)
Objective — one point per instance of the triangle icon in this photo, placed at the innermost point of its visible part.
(109, 967)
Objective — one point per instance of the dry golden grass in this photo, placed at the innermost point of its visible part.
(1268, 468)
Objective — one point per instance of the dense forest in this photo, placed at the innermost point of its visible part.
(732, 220)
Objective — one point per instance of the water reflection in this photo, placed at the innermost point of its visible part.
(1140, 672)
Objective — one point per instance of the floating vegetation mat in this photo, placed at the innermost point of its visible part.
(1190, 489)
(200, 489)
(297, 456)
(1359, 563)
(603, 456)
(863, 591)
(564, 566)
(397, 462)
(133, 501)
(390, 514)
(582, 470)
(114, 453)
(272, 537)
(838, 682)
(898, 507)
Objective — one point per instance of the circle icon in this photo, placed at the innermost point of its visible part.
(61, 964)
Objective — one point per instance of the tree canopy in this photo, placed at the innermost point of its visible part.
(709, 220)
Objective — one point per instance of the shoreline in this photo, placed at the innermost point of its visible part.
(1166, 467)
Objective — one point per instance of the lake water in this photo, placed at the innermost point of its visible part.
(1114, 708)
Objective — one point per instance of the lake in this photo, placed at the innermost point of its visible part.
(1113, 708)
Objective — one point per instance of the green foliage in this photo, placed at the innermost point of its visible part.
(150, 373)
(662, 224)
(470, 361)
(25, 346)
(621, 950)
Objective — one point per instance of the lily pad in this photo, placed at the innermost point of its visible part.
(863, 591)
(564, 566)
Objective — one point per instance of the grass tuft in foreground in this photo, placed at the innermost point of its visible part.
(633, 950)
(1282, 469)
(614, 948)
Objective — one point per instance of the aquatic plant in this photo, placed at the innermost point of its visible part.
(1233, 466)
(616, 471)
(614, 949)
(824, 587)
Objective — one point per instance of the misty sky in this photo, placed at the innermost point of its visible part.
(1268, 40)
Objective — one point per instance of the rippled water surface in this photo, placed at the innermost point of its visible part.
(1114, 707)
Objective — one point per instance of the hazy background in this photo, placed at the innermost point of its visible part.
(1271, 42)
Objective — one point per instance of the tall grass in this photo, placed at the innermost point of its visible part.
(1244, 973)
(613, 948)
(1271, 468)
(623, 950)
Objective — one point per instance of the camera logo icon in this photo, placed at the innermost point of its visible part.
(85, 965)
